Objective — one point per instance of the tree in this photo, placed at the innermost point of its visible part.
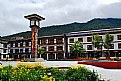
(77, 49)
(40, 50)
(97, 42)
(107, 42)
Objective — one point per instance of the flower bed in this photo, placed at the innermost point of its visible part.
(107, 65)
(80, 59)
(38, 72)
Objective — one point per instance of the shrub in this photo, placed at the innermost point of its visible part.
(37, 72)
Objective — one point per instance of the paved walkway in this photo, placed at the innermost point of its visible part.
(109, 74)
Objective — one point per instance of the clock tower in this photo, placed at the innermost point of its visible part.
(34, 25)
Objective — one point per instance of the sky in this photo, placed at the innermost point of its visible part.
(55, 12)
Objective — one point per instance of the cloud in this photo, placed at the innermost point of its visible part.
(111, 11)
(12, 12)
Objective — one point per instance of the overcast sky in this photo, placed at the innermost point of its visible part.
(56, 12)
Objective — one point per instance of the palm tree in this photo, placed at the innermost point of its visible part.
(77, 48)
(97, 42)
(107, 41)
(40, 51)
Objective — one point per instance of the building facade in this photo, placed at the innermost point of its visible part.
(86, 38)
(55, 46)
(3, 49)
(56, 40)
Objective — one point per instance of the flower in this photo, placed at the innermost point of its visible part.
(1, 66)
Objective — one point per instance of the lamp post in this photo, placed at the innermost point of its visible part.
(49, 73)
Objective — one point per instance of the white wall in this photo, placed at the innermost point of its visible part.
(85, 43)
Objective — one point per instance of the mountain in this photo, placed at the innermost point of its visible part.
(97, 23)
(103, 23)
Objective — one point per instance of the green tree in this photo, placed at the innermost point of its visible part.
(107, 41)
(40, 51)
(97, 42)
(77, 49)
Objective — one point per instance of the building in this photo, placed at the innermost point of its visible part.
(3, 49)
(86, 38)
(56, 40)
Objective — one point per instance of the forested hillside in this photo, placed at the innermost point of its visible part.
(61, 29)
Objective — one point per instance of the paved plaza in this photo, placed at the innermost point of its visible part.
(110, 74)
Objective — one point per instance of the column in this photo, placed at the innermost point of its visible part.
(63, 40)
(46, 41)
(1, 56)
(65, 45)
(64, 53)
(55, 41)
(30, 56)
(55, 55)
(40, 56)
(47, 56)
(55, 48)
(47, 48)
(40, 41)
(115, 54)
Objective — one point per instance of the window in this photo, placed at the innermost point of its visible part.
(51, 41)
(16, 50)
(21, 44)
(16, 44)
(26, 50)
(32, 22)
(5, 45)
(59, 48)
(29, 50)
(89, 39)
(44, 48)
(37, 23)
(71, 40)
(4, 51)
(11, 50)
(27, 43)
(119, 37)
(51, 48)
(11, 44)
(89, 47)
(59, 40)
(43, 41)
(4, 56)
(119, 45)
(24, 43)
(111, 46)
(80, 39)
(21, 50)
